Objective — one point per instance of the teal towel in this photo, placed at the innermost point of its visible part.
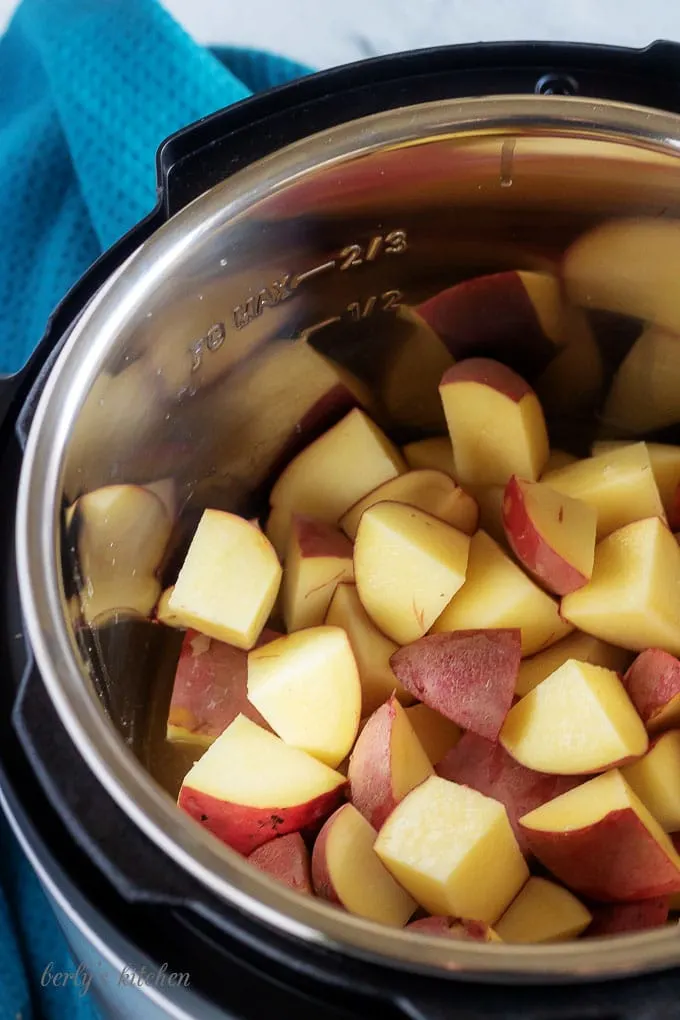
(88, 90)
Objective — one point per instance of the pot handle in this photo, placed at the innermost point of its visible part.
(651, 997)
(206, 153)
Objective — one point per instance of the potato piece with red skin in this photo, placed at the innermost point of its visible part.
(286, 859)
(388, 760)
(469, 676)
(653, 685)
(601, 841)
(346, 870)
(318, 558)
(490, 770)
(618, 918)
(513, 315)
(495, 421)
(332, 473)
(249, 787)
(552, 535)
(210, 688)
(432, 491)
(454, 928)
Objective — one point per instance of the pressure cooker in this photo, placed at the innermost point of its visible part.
(307, 217)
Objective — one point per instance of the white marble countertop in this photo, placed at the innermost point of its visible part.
(327, 32)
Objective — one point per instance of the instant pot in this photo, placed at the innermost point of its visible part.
(302, 222)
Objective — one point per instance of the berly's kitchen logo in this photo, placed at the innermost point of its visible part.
(129, 977)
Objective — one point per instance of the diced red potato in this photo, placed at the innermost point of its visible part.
(229, 580)
(467, 676)
(572, 383)
(631, 599)
(601, 841)
(439, 843)
(627, 265)
(286, 859)
(665, 461)
(495, 422)
(372, 650)
(619, 918)
(347, 871)
(488, 768)
(210, 688)
(417, 359)
(579, 720)
(319, 557)
(407, 567)
(655, 778)
(249, 787)
(619, 485)
(643, 396)
(515, 315)
(552, 535)
(307, 687)
(578, 645)
(388, 760)
(490, 499)
(543, 912)
(653, 683)
(432, 491)
(329, 476)
(497, 594)
(120, 536)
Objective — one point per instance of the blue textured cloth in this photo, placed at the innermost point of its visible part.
(88, 90)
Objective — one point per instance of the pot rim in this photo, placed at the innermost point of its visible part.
(220, 870)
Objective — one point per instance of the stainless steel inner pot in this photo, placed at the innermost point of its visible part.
(199, 361)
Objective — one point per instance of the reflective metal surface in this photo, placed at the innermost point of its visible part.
(248, 324)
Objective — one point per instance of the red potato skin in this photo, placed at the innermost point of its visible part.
(322, 882)
(211, 687)
(493, 316)
(244, 828)
(617, 918)
(369, 771)
(318, 539)
(286, 859)
(489, 769)
(489, 373)
(652, 681)
(613, 861)
(469, 676)
(531, 549)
